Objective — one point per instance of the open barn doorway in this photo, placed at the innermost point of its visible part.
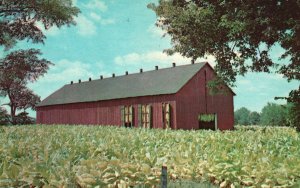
(208, 121)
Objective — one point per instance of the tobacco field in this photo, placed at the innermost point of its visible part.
(104, 156)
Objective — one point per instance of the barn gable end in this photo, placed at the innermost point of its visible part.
(195, 99)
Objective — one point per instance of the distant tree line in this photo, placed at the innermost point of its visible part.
(271, 115)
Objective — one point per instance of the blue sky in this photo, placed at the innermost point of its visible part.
(114, 36)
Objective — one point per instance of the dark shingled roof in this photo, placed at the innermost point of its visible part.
(155, 82)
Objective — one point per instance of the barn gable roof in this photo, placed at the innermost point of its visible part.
(155, 82)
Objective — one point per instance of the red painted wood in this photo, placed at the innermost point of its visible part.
(103, 112)
(186, 105)
(190, 102)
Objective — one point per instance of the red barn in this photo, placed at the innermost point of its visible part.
(175, 97)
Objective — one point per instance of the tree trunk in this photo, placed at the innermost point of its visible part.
(12, 109)
(13, 114)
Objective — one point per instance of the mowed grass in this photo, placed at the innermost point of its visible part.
(103, 156)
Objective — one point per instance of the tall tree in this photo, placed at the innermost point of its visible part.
(241, 116)
(19, 19)
(16, 70)
(274, 115)
(235, 31)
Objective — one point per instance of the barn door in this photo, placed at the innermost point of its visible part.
(130, 114)
(208, 121)
(146, 116)
(127, 116)
(166, 115)
(122, 116)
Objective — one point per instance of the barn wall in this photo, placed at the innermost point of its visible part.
(191, 102)
(104, 112)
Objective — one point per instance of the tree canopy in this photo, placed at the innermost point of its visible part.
(274, 115)
(239, 34)
(16, 70)
(19, 19)
(241, 116)
(254, 118)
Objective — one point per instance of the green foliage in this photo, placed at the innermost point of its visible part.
(206, 117)
(294, 115)
(19, 19)
(87, 156)
(23, 119)
(241, 116)
(254, 118)
(235, 32)
(4, 117)
(274, 114)
(16, 70)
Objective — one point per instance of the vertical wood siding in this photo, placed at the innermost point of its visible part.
(104, 112)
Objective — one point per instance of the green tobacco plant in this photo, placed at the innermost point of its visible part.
(206, 117)
(104, 156)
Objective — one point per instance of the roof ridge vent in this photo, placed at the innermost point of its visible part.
(156, 67)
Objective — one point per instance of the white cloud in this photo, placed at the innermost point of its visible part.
(96, 5)
(52, 31)
(243, 82)
(95, 16)
(85, 26)
(277, 77)
(156, 31)
(65, 71)
(107, 21)
(101, 20)
(156, 57)
(150, 57)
